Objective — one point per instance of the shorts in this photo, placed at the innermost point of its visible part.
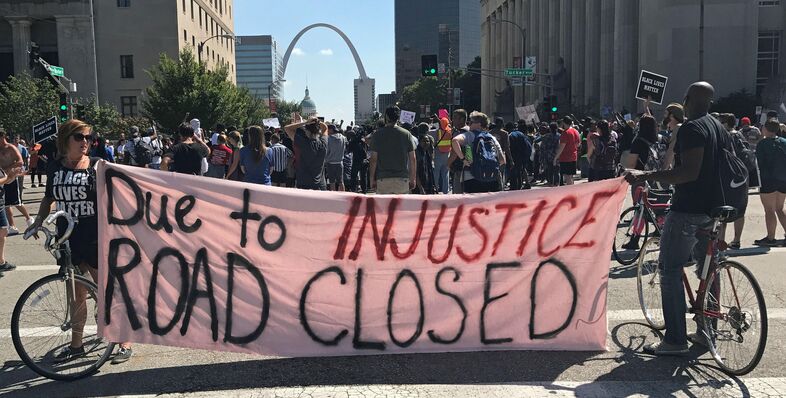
(12, 195)
(770, 186)
(393, 186)
(567, 168)
(475, 186)
(278, 177)
(83, 253)
(334, 172)
(3, 217)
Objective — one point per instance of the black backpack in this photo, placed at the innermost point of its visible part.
(730, 188)
(143, 152)
(605, 154)
(743, 151)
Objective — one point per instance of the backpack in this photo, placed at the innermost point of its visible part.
(485, 166)
(657, 154)
(143, 152)
(605, 155)
(743, 151)
(731, 186)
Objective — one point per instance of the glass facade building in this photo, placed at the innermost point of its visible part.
(259, 66)
(448, 28)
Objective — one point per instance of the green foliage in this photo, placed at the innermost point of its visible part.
(425, 91)
(184, 86)
(105, 118)
(284, 110)
(26, 101)
(740, 103)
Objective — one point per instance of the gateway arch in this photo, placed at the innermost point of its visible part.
(364, 85)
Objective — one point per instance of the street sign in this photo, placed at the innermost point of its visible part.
(45, 129)
(457, 96)
(758, 110)
(516, 82)
(651, 86)
(531, 63)
(441, 68)
(518, 72)
(55, 70)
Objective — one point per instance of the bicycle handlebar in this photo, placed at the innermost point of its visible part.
(50, 236)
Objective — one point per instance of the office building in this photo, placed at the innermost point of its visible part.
(105, 49)
(448, 28)
(385, 101)
(259, 66)
(365, 92)
(590, 53)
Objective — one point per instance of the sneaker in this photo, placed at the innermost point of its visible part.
(698, 338)
(632, 245)
(761, 242)
(32, 186)
(69, 353)
(662, 348)
(6, 266)
(12, 231)
(123, 354)
(30, 221)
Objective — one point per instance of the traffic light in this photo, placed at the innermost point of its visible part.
(550, 106)
(35, 54)
(63, 107)
(428, 65)
(79, 110)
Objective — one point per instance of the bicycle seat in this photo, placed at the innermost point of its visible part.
(724, 213)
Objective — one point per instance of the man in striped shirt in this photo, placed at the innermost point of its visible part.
(282, 157)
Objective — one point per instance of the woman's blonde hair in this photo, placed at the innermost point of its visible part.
(65, 132)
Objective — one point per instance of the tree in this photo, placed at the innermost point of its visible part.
(425, 91)
(185, 87)
(740, 103)
(104, 118)
(26, 101)
(284, 110)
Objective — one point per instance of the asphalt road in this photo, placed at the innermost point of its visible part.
(623, 370)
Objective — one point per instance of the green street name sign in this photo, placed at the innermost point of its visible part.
(518, 72)
(55, 70)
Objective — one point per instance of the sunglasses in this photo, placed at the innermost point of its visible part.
(82, 137)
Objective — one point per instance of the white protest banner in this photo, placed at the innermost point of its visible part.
(528, 114)
(406, 117)
(213, 264)
(273, 122)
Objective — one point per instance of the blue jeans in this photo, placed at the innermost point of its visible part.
(441, 172)
(679, 242)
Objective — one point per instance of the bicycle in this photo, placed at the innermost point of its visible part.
(728, 305)
(650, 207)
(49, 312)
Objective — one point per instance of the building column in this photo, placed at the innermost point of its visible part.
(497, 56)
(77, 53)
(533, 43)
(543, 29)
(554, 28)
(566, 42)
(607, 67)
(592, 55)
(625, 54)
(484, 60)
(20, 32)
(577, 64)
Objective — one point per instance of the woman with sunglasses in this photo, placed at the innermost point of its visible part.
(71, 187)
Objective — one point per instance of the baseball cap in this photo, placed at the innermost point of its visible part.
(745, 120)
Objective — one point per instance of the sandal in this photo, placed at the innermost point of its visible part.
(734, 245)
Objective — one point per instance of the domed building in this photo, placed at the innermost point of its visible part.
(308, 107)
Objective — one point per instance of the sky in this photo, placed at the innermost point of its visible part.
(321, 58)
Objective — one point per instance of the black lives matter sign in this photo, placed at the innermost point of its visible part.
(45, 129)
(652, 86)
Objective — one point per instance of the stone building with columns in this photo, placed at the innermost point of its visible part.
(604, 44)
(108, 58)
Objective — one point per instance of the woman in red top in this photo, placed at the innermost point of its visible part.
(33, 165)
(220, 158)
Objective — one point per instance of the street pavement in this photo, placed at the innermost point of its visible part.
(623, 370)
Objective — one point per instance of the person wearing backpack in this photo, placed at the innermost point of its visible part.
(521, 150)
(743, 150)
(602, 150)
(705, 175)
(481, 155)
(771, 156)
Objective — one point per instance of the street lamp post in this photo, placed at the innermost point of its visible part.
(201, 45)
(523, 54)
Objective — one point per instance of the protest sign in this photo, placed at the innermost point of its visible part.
(214, 264)
(406, 117)
(528, 114)
(273, 122)
(651, 85)
(45, 129)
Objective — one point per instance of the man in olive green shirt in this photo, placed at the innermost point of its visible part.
(392, 164)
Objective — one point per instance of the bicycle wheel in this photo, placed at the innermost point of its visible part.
(738, 333)
(632, 230)
(42, 326)
(648, 282)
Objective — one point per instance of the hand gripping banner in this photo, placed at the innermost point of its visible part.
(205, 263)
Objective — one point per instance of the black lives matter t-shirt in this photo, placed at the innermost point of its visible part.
(74, 191)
